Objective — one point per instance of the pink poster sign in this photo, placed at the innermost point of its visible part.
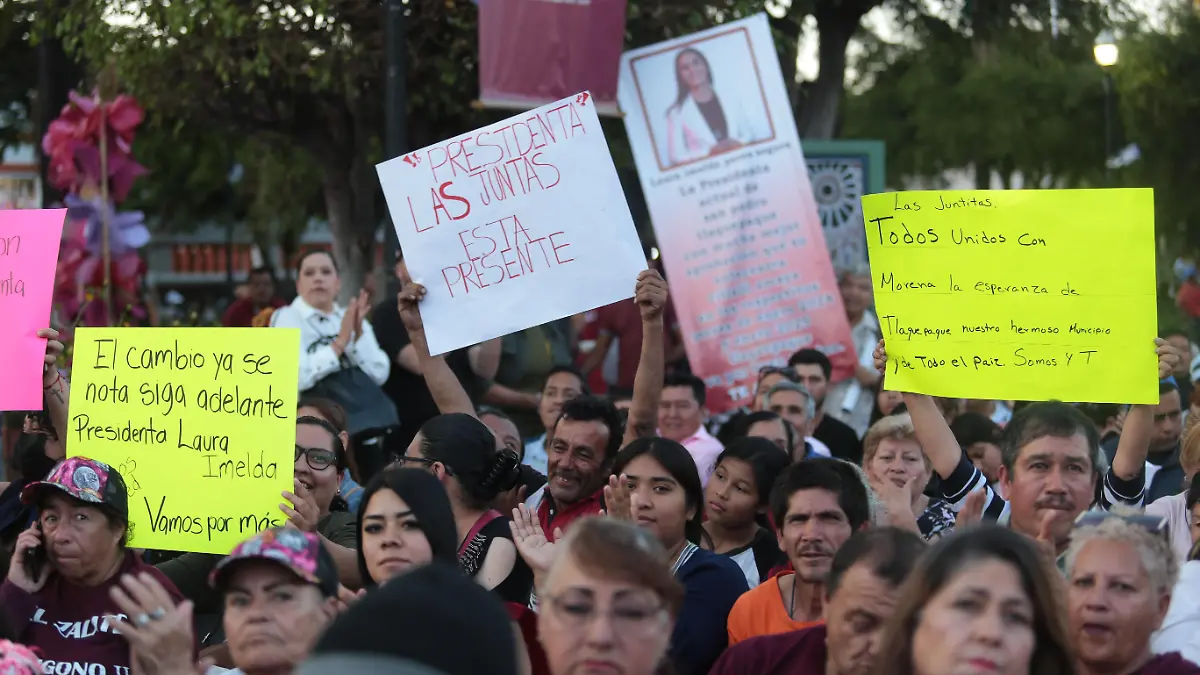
(28, 257)
(534, 52)
(725, 180)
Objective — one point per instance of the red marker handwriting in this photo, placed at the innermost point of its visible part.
(412, 160)
(582, 98)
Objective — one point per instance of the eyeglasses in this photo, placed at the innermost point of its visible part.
(628, 618)
(786, 371)
(318, 459)
(1152, 524)
(401, 460)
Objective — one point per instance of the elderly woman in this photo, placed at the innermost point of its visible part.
(898, 472)
(608, 601)
(1175, 508)
(65, 565)
(1120, 574)
(981, 602)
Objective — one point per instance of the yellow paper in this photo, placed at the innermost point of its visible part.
(1017, 294)
(200, 422)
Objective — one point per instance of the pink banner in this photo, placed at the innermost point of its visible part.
(28, 255)
(725, 181)
(534, 52)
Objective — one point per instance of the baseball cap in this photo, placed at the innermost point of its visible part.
(16, 659)
(415, 624)
(300, 552)
(86, 480)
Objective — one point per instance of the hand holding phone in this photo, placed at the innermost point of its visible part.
(29, 567)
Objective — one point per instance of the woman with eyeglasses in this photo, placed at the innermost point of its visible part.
(608, 601)
(461, 451)
(1120, 572)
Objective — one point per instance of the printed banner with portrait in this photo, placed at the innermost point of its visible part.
(728, 191)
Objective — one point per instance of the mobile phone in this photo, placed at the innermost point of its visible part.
(35, 559)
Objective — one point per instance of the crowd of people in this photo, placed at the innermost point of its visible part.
(523, 507)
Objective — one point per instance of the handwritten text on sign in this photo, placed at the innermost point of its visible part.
(199, 421)
(1017, 294)
(514, 225)
(28, 254)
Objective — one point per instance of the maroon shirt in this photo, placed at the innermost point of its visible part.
(623, 321)
(1168, 664)
(800, 652)
(66, 622)
(241, 312)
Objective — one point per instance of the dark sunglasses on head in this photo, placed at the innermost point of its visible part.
(1152, 524)
(786, 371)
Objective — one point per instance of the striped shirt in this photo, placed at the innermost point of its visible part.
(967, 479)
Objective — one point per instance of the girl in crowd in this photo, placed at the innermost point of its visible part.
(609, 600)
(461, 451)
(405, 521)
(332, 337)
(736, 505)
(981, 602)
(1121, 571)
(1177, 509)
(898, 472)
(65, 565)
(661, 492)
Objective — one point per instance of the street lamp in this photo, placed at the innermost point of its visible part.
(1105, 52)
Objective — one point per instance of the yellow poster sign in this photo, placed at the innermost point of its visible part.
(1016, 294)
(200, 422)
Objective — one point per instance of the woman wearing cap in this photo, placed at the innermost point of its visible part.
(279, 590)
(461, 451)
(405, 521)
(57, 591)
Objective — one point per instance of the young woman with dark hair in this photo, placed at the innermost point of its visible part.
(461, 451)
(736, 503)
(404, 521)
(658, 488)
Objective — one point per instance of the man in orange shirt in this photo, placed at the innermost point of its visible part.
(817, 505)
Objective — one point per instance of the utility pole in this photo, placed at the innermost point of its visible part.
(395, 127)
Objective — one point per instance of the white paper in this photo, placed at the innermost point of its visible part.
(514, 225)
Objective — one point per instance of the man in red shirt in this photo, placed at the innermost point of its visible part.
(260, 296)
(622, 321)
(860, 596)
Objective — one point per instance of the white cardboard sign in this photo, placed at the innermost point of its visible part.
(514, 225)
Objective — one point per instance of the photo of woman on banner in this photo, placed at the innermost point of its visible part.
(702, 123)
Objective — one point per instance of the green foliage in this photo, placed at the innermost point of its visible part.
(1017, 101)
(1158, 82)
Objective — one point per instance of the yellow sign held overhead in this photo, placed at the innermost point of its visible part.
(1017, 294)
(200, 422)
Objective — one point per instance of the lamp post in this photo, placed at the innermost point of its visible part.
(1105, 52)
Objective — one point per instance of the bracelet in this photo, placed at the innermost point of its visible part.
(57, 379)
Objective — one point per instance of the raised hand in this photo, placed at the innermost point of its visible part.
(650, 294)
(362, 307)
(897, 500)
(158, 631)
(617, 500)
(880, 356)
(303, 513)
(410, 314)
(531, 541)
(971, 512)
(1168, 358)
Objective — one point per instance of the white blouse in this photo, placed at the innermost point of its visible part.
(317, 333)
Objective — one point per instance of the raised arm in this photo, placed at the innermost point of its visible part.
(443, 384)
(1125, 482)
(934, 435)
(651, 297)
(56, 389)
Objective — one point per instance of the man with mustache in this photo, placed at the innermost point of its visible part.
(589, 432)
(860, 595)
(817, 505)
(1050, 459)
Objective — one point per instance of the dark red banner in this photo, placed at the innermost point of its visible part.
(534, 52)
